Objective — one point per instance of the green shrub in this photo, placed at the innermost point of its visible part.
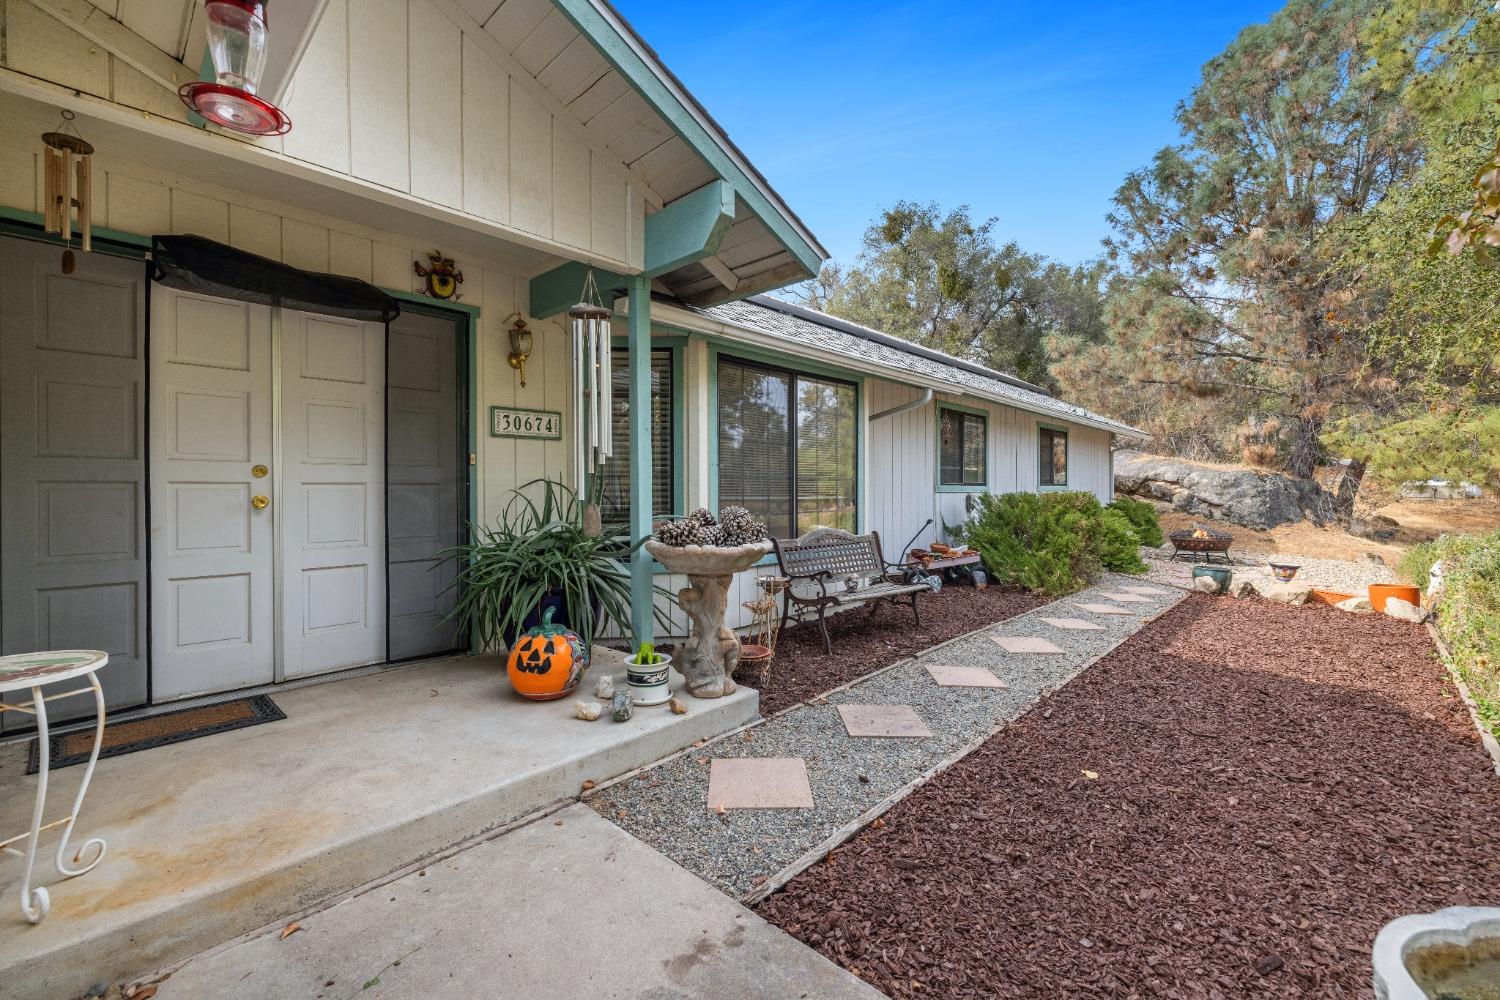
(1468, 615)
(1052, 543)
(1416, 565)
(1142, 517)
(1119, 542)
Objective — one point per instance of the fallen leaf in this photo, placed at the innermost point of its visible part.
(720, 809)
(588, 784)
(290, 929)
(142, 993)
(1091, 775)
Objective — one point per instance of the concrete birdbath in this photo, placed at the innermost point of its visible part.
(1453, 954)
(711, 651)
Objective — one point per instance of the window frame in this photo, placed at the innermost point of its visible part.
(676, 427)
(1067, 457)
(937, 479)
(796, 370)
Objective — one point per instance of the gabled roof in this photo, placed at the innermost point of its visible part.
(841, 339)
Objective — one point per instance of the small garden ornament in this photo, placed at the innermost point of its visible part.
(547, 662)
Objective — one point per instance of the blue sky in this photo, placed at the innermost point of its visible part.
(1031, 113)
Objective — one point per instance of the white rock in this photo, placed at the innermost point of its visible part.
(1285, 593)
(588, 711)
(1356, 605)
(1404, 610)
(1205, 584)
(604, 688)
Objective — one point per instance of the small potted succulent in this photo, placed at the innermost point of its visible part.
(648, 673)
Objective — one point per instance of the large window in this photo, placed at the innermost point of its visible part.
(788, 447)
(615, 501)
(961, 448)
(1054, 457)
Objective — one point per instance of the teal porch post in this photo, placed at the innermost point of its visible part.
(640, 456)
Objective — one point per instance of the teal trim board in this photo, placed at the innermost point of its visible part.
(559, 288)
(31, 226)
(418, 298)
(617, 42)
(688, 229)
(642, 593)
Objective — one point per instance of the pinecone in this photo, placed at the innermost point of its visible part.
(712, 536)
(679, 533)
(756, 532)
(704, 517)
(735, 518)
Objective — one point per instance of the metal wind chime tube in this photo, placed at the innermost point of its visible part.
(593, 387)
(58, 176)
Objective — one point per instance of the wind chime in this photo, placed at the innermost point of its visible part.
(58, 186)
(592, 386)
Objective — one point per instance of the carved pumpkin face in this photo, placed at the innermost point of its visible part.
(547, 662)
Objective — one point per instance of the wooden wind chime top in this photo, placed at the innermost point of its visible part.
(59, 191)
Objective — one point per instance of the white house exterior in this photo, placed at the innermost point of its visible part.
(530, 141)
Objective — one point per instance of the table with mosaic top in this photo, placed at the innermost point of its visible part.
(29, 672)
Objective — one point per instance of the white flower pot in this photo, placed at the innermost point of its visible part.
(649, 683)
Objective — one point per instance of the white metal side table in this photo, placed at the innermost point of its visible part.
(30, 671)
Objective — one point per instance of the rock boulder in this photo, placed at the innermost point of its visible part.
(1259, 500)
(1376, 527)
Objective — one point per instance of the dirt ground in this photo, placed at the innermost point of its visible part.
(862, 643)
(1421, 520)
(1229, 805)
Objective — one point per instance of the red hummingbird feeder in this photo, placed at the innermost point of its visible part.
(237, 46)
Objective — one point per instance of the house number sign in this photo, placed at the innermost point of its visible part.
(508, 422)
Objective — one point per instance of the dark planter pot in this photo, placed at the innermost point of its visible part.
(1222, 575)
(560, 616)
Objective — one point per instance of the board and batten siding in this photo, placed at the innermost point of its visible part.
(141, 200)
(900, 469)
(411, 96)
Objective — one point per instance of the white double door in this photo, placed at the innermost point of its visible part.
(267, 494)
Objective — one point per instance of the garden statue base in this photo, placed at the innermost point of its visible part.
(711, 651)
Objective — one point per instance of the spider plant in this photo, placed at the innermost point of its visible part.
(539, 548)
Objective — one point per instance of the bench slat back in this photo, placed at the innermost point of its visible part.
(837, 553)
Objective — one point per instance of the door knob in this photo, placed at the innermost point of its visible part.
(260, 501)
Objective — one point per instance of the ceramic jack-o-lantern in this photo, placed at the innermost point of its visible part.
(547, 662)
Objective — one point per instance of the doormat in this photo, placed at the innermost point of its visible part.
(157, 731)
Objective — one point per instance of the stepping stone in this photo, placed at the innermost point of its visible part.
(1127, 598)
(1147, 591)
(883, 721)
(1106, 609)
(948, 675)
(758, 783)
(1024, 644)
(1074, 624)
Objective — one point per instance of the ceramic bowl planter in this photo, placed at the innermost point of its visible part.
(649, 682)
(1222, 575)
(1284, 572)
(1451, 953)
(547, 662)
(1382, 592)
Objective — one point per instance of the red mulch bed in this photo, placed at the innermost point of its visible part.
(1274, 784)
(863, 643)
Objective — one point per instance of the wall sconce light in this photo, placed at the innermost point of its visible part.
(520, 347)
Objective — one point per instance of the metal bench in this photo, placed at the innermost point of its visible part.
(829, 557)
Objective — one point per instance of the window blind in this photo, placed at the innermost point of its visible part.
(1054, 457)
(614, 503)
(961, 448)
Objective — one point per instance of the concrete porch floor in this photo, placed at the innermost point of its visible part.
(212, 838)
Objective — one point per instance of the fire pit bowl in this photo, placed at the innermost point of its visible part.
(1202, 545)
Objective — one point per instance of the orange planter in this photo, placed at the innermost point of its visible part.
(1382, 592)
(1327, 597)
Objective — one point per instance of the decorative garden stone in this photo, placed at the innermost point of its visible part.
(622, 708)
(1355, 605)
(711, 651)
(1405, 611)
(604, 688)
(588, 711)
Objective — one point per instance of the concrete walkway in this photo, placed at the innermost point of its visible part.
(567, 908)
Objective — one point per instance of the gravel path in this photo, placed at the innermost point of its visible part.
(1343, 575)
(666, 806)
(1228, 805)
(863, 643)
